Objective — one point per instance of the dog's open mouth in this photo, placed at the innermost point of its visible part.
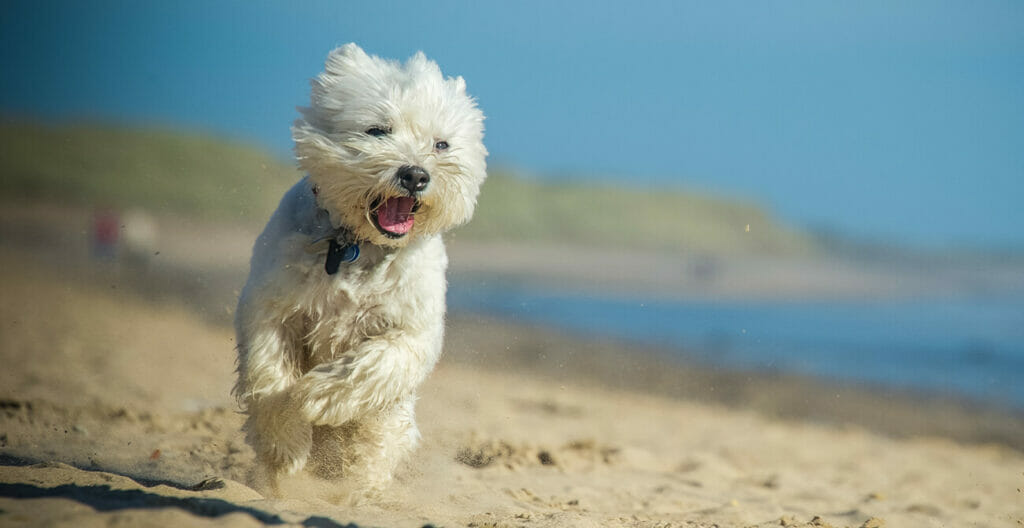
(394, 217)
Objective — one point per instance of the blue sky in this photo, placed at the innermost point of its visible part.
(902, 121)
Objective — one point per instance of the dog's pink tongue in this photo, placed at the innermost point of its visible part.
(395, 215)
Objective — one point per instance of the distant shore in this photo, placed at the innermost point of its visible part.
(223, 250)
(680, 275)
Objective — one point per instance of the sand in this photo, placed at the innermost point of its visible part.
(115, 410)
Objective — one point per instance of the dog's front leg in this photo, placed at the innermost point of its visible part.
(267, 370)
(366, 398)
(279, 435)
(368, 379)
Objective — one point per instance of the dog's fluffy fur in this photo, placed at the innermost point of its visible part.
(328, 364)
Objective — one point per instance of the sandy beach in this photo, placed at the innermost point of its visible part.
(115, 410)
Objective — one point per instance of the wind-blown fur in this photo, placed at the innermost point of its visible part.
(328, 364)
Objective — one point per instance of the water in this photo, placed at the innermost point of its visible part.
(971, 347)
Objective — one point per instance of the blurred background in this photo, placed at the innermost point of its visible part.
(825, 189)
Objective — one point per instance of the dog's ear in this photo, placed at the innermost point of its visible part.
(460, 85)
(314, 150)
(347, 58)
(419, 64)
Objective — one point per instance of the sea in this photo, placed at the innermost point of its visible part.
(969, 347)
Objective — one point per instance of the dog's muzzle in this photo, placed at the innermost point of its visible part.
(394, 217)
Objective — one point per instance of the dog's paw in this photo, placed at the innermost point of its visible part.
(287, 464)
(284, 452)
(278, 433)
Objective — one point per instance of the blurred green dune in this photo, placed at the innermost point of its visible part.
(600, 214)
(212, 178)
(157, 169)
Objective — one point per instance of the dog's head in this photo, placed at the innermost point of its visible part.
(394, 150)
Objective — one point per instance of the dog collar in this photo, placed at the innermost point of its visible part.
(338, 247)
(337, 242)
(337, 253)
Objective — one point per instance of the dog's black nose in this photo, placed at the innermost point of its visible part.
(413, 178)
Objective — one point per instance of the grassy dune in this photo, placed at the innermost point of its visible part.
(527, 210)
(162, 170)
(217, 179)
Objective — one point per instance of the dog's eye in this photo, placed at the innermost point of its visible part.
(441, 145)
(377, 131)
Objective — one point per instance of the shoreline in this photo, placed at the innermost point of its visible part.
(557, 356)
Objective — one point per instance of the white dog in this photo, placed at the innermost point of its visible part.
(342, 316)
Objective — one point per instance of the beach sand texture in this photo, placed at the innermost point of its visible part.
(115, 410)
